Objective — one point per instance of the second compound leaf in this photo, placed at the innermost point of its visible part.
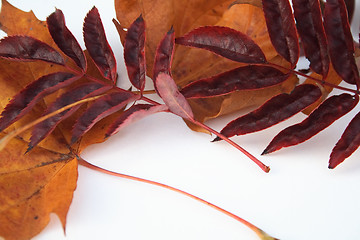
(329, 111)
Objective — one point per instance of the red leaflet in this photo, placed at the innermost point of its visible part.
(170, 94)
(100, 109)
(322, 117)
(35, 91)
(348, 143)
(350, 7)
(310, 28)
(134, 53)
(225, 42)
(134, 114)
(242, 78)
(25, 48)
(277, 109)
(43, 129)
(164, 54)
(281, 26)
(98, 46)
(341, 46)
(64, 38)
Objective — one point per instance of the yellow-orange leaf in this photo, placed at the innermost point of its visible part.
(41, 182)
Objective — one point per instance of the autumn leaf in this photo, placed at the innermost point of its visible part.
(32, 186)
(191, 64)
(42, 181)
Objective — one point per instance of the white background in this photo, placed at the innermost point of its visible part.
(299, 199)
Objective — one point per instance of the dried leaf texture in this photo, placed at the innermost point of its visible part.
(277, 109)
(33, 186)
(25, 48)
(100, 109)
(64, 39)
(225, 42)
(310, 28)
(164, 54)
(161, 15)
(29, 96)
(43, 129)
(347, 144)
(169, 92)
(243, 78)
(341, 45)
(134, 53)
(281, 26)
(191, 64)
(41, 182)
(329, 111)
(98, 46)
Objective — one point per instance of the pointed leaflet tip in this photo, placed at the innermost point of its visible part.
(164, 54)
(25, 48)
(225, 42)
(133, 114)
(216, 139)
(98, 46)
(347, 144)
(82, 91)
(274, 111)
(282, 30)
(134, 53)
(328, 112)
(64, 39)
(340, 41)
(25, 100)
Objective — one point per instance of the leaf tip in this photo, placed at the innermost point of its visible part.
(30, 147)
(216, 139)
(266, 151)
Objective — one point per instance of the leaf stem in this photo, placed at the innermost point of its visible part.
(254, 159)
(321, 81)
(5, 140)
(249, 155)
(257, 230)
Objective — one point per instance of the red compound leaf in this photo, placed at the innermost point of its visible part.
(341, 45)
(329, 111)
(281, 27)
(23, 102)
(225, 42)
(64, 38)
(43, 129)
(242, 78)
(25, 48)
(170, 94)
(274, 111)
(348, 143)
(98, 46)
(100, 109)
(164, 54)
(134, 53)
(311, 30)
(134, 114)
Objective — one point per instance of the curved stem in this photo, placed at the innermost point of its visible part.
(321, 81)
(254, 159)
(5, 140)
(257, 230)
(249, 155)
